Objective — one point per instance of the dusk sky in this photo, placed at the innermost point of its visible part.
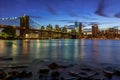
(106, 13)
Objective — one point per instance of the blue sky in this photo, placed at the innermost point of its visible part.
(105, 13)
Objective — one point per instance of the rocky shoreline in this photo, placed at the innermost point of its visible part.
(60, 70)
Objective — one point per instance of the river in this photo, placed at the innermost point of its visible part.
(95, 51)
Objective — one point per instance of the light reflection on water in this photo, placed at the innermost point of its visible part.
(97, 51)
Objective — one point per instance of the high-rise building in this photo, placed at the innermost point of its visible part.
(95, 30)
(80, 28)
(76, 26)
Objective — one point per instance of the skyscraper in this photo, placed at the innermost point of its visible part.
(76, 26)
(95, 30)
(80, 28)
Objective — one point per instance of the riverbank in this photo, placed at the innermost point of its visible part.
(62, 70)
(58, 38)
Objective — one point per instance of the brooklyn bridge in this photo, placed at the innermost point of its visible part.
(26, 30)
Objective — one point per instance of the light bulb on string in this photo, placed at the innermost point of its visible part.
(6, 18)
(15, 17)
(12, 18)
(3, 18)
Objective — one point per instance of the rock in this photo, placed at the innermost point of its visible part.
(53, 66)
(25, 74)
(117, 71)
(97, 76)
(29, 74)
(87, 73)
(69, 78)
(86, 69)
(74, 74)
(63, 66)
(83, 75)
(17, 67)
(2, 74)
(55, 74)
(14, 73)
(9, 78)
(6, 58)
(108, 73)
(43, 71)
(71, 65)
(81, 78)
(55, 79)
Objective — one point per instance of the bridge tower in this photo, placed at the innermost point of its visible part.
(24, 25)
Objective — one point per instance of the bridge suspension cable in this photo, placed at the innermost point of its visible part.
(34, 23)
(10, 21)
(37, 17)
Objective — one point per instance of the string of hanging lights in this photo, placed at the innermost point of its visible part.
(11, 18)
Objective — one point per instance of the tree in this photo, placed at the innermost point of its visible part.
(10, 31)
(42, 27)
(60, 29)
(64, 29)
(73, 30)
(3, 35)
(49, 27)
(57, 28)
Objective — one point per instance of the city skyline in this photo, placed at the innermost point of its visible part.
(105, 13)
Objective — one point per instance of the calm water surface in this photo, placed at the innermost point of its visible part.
(96, 51)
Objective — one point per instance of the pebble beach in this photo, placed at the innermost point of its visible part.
(48, 69)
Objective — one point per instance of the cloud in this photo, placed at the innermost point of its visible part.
(71, 14)
(51, 9)
(89, 18)
(91, 23)
(98, 23)
(86, 16)
(68, 21)
(117, 15)
(83, 23)
(101, 8)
